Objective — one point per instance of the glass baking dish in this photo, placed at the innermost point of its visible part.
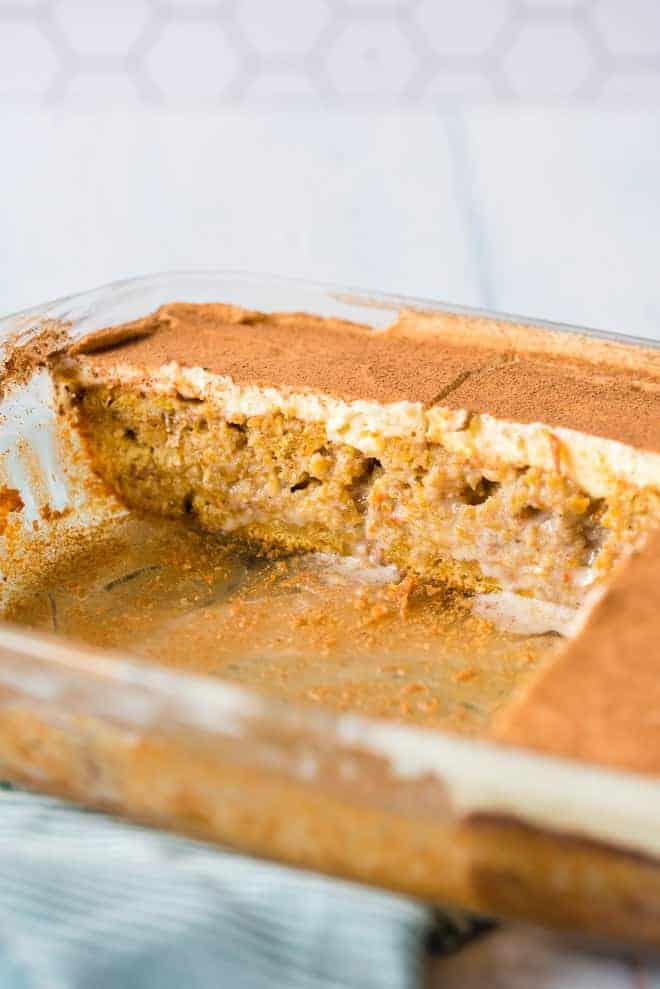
(447, 819)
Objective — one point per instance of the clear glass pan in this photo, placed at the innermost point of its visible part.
(502, 831)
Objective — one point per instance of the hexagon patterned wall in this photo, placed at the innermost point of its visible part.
(335, 53)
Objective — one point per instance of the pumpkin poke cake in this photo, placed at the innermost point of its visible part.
(517, 464)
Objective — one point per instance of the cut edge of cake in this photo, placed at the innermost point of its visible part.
(263, 374)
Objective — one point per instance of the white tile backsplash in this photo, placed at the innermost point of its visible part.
(285, 27)
(628, 29)
(468, 28)
(557, 51)
(28, 62)
(548, 62)
(192, 64)
(100, 28)
(370, 58)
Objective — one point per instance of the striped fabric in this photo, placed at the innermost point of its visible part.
(90, 902)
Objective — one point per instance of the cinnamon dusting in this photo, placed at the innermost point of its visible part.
(603, 389)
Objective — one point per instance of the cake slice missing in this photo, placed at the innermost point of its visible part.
(487, 455)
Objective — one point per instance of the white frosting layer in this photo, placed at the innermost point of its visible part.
(595, 463)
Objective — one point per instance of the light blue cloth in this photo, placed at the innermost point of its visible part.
(87, 901)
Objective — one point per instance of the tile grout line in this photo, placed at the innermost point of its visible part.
(462, 166)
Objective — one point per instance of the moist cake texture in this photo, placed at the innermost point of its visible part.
(485, 455)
